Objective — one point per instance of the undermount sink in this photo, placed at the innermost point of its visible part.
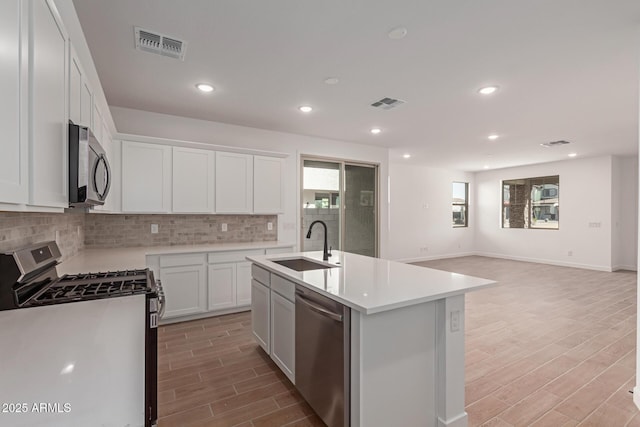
(301, 264)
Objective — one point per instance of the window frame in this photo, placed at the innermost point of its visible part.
(530, 220)
(465, 205)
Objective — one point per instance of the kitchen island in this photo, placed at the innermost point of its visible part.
(406, 334)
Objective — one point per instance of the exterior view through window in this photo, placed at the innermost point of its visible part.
(531, 203)
(460, 204)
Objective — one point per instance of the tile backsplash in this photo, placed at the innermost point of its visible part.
(112, 231)
(18, 229)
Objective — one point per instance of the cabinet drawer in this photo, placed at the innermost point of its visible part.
(284, 250)
(235, 256)
(284, 287)
(260, 274)
(181, 260)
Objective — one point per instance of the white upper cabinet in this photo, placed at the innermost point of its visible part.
(49, 97)
(146, 177)
(234, 183)
(96, 126)
(13, 112)
(193, 180)
(268, 185)
(80, 94)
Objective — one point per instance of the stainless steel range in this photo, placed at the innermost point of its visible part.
(70, 341)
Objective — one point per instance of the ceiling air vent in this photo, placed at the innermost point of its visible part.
(554, 143)
(387, 103)
(160, 44)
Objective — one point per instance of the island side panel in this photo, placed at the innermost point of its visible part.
(393, 363)
(450, 362)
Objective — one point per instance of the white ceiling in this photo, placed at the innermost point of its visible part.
(567, 69)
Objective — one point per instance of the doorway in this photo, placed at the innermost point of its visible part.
(344, 195)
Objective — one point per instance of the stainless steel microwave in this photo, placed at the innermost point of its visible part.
(89, 171)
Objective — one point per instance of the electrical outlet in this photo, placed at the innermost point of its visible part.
(78, 230)
(223, 226)
(570, 253)
(269, 226)
(455, 321)
(154, 228)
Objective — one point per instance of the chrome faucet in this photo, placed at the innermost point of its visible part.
(325, 252)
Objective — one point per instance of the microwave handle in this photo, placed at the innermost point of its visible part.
(107, 177)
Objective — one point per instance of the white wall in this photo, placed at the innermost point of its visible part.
(145, 123)
(585, 197)
(420, 214)
(624, 245)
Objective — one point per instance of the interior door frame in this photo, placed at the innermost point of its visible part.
(342, 183)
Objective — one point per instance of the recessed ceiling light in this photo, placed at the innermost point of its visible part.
(487, 90)
(397, 33)
(486, 166)
(493, 137)
(573, 154)
(305, 108)
(204, 87)
(332, 81)
(376, 131)
(406, 156)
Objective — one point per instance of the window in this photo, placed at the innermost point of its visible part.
(460, 204)
(531, 203)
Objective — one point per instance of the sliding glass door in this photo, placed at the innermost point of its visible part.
(344, 196)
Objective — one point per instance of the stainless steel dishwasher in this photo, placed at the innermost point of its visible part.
(323, 355)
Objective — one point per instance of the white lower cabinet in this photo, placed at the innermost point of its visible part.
(283, 336)
(222, 286)
(209, 284)
(260, 314)
(273, 318)
(185, 288)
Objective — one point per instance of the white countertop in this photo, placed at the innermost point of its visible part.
(372, 285)
(109, 259)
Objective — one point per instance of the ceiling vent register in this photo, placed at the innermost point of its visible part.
(160, 44)
(387, 103)
(554, 143)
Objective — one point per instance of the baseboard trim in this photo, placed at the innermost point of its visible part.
(625, 267)
(460, 420)
(434, 257)
(546, 261)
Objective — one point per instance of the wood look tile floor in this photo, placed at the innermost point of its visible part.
(212, 373)
(548, 346)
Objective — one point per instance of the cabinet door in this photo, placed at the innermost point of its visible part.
(86, 103)
(222, 286)
(193, 180)
(49, 97)
(146, 177)
(234, 183)
(75, 89)
(185, 289)
(260, 314)
(96, 128)
(13, 112)
(243, 283)
(283, 320)
(268, 185)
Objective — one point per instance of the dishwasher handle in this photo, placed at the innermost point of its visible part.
(318, 309)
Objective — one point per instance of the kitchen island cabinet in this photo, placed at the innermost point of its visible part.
(406, 335)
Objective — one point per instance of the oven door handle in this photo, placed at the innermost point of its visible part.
(162, 299)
